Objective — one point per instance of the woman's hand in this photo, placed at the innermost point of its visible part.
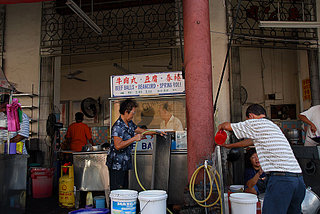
(138, 137)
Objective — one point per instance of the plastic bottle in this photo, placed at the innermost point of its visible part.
(89, 201)
(19, 147)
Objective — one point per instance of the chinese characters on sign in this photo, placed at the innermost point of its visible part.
(147, 84)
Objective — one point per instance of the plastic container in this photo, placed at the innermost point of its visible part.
(90, 211)
(42, 180)
(220, 137)
(100, 201)
(243, 203)
(12, 149)
(236, 188)
(153, 201)
(226, 203)
(123, 201)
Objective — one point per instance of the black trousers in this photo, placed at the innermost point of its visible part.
(118, 179)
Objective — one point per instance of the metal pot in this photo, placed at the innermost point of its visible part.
(96, 148)
(311, 202)
(293, 135)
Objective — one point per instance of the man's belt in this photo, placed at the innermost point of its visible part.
(290, 174)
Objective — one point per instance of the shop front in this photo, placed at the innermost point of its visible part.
(161, 161)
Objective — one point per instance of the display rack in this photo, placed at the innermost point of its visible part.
(30, 108)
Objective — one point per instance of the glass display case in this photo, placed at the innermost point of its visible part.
(152, 113)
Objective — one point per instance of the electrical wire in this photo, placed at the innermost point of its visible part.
(135, 166)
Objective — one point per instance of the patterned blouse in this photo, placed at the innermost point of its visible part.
(121, 159)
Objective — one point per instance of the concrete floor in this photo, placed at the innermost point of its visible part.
(45, 205)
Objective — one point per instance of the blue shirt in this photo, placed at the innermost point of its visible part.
(121, 159)
(250, 172)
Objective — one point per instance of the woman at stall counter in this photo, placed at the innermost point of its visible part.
(124, 133)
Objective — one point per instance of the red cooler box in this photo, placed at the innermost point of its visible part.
(42, 181)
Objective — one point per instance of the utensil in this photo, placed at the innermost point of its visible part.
(316, 139)
(96, 148)
(87, 148)
(311, 202)
(293, 135)
(220, 137)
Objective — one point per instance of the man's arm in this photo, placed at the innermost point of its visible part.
(225, 126)
(24, 130)
(91, 142)
(307, 121)
(17, 139)
(243, 143)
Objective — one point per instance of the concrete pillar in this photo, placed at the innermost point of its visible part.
(199, 100)
(314, 76)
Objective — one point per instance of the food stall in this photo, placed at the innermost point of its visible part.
(90, 172)
(159, 166)
(13, 173)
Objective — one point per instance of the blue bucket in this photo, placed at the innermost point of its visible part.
(90, 211)
(100, 201)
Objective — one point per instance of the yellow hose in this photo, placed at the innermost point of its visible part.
(192, 184)
(135, 166)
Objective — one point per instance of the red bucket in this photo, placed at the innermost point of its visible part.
(42, 181)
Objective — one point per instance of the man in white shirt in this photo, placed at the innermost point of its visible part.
(169, 121)
(15, 137)
(285, 188)
(312, 118)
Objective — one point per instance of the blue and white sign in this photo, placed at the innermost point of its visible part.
(147, 84)
(146, 143)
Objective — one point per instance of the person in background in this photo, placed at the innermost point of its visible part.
(169, 121)
(254, 177)
(312, 118)
(285, 187)
(78, 134)
(15, 137)
(124, 133)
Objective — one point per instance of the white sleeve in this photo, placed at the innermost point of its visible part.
(243, 130)
(309, 113)
(24, 126)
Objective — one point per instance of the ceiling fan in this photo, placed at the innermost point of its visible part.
(169, 66)
(73, 75)
(121, 68)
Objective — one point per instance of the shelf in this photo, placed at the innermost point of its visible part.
(24, 95)
(29, 107)
(32, 133)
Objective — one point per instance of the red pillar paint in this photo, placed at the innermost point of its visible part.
(199, 99)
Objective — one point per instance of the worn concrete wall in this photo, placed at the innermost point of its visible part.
(303, 75)
(219, 42)
(98, 73)
(270, 71)
(22, 45)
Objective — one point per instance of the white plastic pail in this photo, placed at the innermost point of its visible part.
(123, 201)
(236, 188)
(153, 201)
(243, 203)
